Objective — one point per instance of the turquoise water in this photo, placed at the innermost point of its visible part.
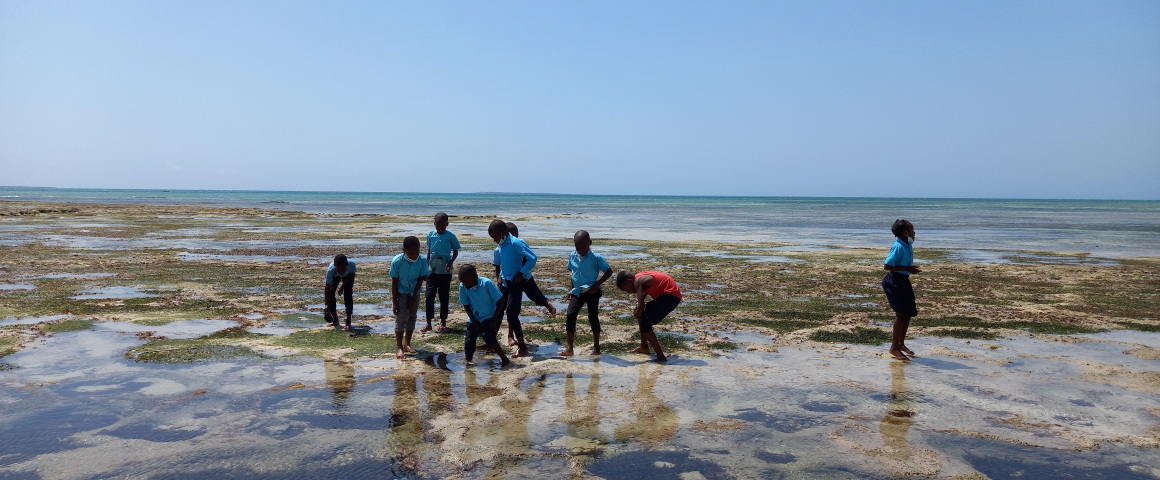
(1102, 227)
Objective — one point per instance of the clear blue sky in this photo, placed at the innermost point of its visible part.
(1050, 99)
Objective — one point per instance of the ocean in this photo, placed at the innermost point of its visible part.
(1103, 228)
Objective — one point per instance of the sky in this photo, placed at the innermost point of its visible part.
(979, 99)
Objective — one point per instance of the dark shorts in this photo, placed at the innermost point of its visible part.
(657, 310)
(899, 293)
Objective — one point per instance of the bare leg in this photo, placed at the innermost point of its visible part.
(651, 337)
(399, 355)
(407, 342)
(901, 323)
(596, 343)
(568, 351)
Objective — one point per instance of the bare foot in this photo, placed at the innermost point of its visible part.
(399, 355)
(567, 353)
(661, 358)
(595, 351)
(906, 350)
(469, 363)
(505, 362)
(551, 309)
(409, 349)
(425, 329)
(511, 340)
(520, 352)
(898, 355)
(643, 350)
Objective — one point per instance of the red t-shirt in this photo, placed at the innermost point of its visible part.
(661, 284)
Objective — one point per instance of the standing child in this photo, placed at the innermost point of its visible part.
(408, 270)
(341, 271)
(896, 284)
(484, 304)
(665, 298)
(516, 263)
(585, 266)
(531, 288)
(442, 250)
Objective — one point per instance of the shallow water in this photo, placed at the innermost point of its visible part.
(33, 320)
(75, 407)
(16, 286)
(110, 292)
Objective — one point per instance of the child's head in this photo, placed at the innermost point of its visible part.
(340, 263)
(441, 221)
(902, 228)
(626, 282)
(582, 241)
(411, 247)
(513, 229)
(468, 276)
(498, 230)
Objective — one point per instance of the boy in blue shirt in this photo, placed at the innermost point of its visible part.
(516, 263)
(483, 303)
(341, 271)
(408, 270)
(531, 288)
(896, 284)
(585, 266)
(442, 250)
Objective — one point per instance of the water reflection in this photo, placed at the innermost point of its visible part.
(340, 380)
(899, 415)
(583, 416)
(655, 422)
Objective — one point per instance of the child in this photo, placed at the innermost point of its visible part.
(516, 263)
(665, 297)
(585, 266)
(896, 284)
(531, 288)
(341, 271)
(442, 250)
(408, 270)
(484, 304)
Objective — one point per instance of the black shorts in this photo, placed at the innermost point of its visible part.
(899, 293)
(657, 310)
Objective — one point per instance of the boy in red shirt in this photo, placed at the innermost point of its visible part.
(665, 297)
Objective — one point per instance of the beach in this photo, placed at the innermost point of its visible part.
(150, 331)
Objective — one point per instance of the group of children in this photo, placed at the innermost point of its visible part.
(486, 302)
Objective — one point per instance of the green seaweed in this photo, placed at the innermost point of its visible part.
(722, 346)
(970, 333)
(860, 335)
(1143, 327)
(190, 353)
(67, 326)
(8, 345)
(945, 321)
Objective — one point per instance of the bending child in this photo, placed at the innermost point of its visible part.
(665, 298)
(531, 288)
(442, 250)
(585, 266)
(341, 271)
(516, 263)
(408, 270)
(896, 284)
(484, 305)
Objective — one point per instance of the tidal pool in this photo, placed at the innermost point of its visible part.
(75, 407)
(111, 292)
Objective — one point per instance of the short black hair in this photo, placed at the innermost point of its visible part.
(411, 241)
(340, 260)
(624, 276)
(440, 216)
(900, 226)
(467, 268)
(497, 226)
(581, 234)
(513, 229)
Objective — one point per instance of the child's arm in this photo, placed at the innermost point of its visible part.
(415, 294)
(395, 294)
(497, 279)
(638, 284)
(607, 275)
(895, 268)
(498, 314)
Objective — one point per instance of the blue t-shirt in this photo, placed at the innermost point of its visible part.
(408, 272)
(332, 273)
(901, 255)
(442, 244)
(480, 299)
(585, 270)
(515, 256)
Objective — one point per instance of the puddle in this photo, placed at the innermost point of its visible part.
(359, 309)
(16, 286)
(33, 320)
(236, 258)
(110, 292)
(78, 275)
(176, 329)
(740, 336)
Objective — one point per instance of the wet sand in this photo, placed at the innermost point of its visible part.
(186, 342)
